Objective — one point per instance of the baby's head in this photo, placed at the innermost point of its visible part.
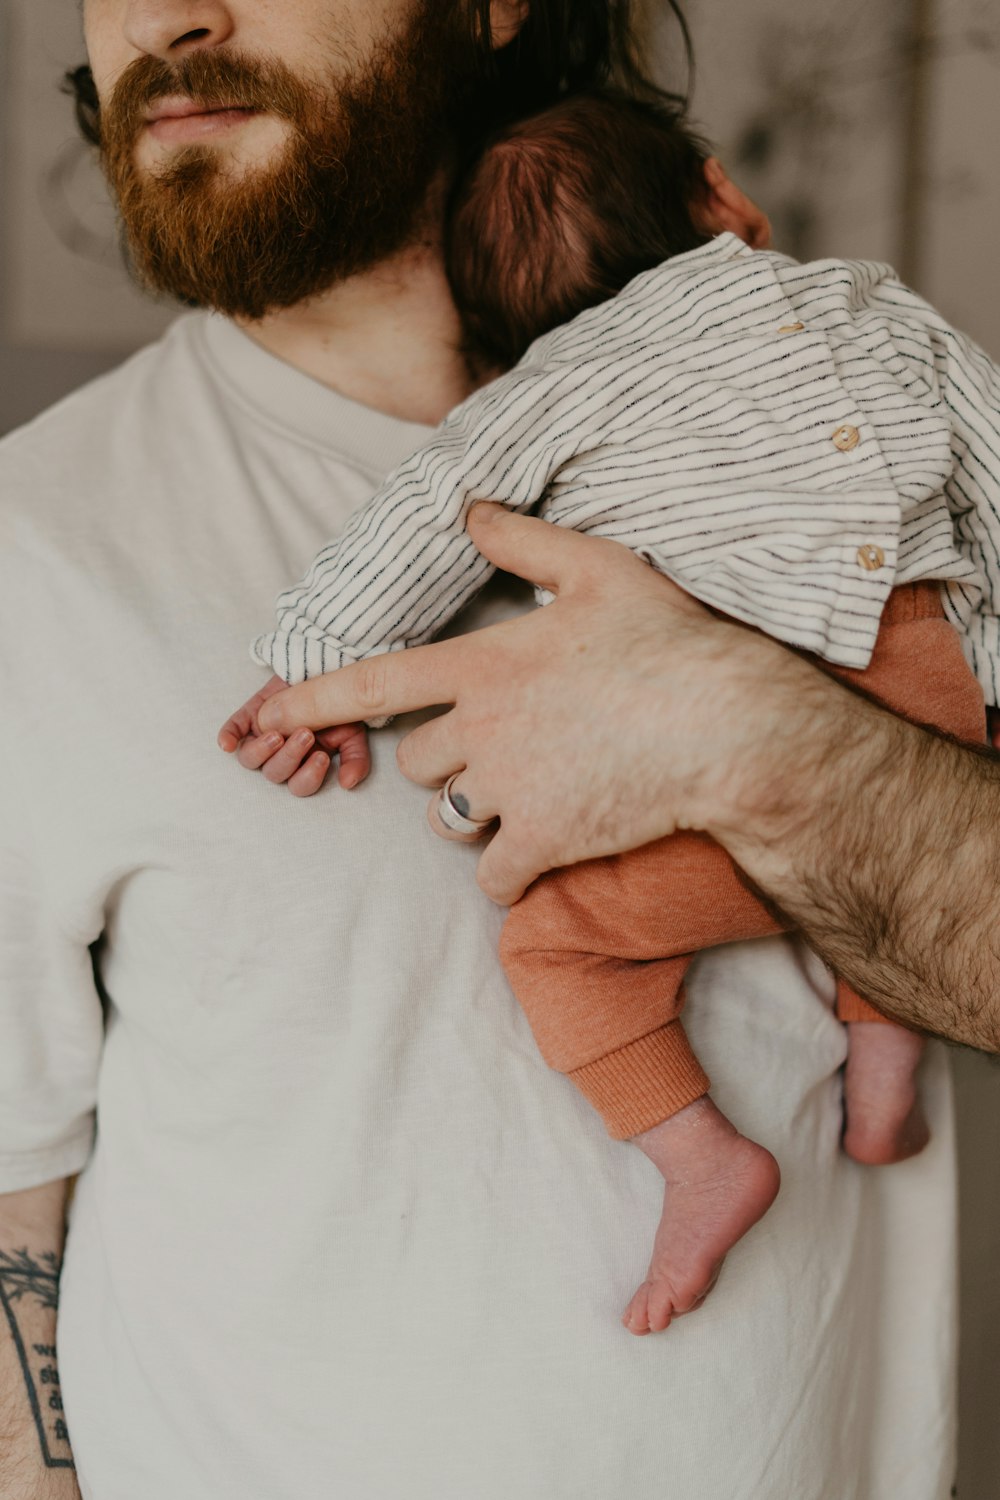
(561, 210)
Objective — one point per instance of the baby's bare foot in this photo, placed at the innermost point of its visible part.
(884, 1119)
(718, 1185)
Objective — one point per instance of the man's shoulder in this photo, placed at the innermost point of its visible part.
(71, 446)
(71, 478)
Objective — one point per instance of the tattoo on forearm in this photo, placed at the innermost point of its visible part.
(36, 1277)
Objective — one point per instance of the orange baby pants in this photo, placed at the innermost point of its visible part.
(597, 953)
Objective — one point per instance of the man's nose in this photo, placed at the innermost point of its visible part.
(169, 29)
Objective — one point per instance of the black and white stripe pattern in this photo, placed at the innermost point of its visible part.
(787, 442)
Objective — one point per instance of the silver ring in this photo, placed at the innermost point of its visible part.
(453, 817)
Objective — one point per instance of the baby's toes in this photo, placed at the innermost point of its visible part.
(661, 1305)
(636, 1318)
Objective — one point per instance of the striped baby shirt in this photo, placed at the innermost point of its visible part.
(786, 441)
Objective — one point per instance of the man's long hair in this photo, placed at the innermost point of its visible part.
(564, 46)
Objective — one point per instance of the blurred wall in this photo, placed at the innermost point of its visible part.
(67, 312)
(864, 129)
(814, 108)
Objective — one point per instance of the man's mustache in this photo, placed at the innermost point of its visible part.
(227, 80)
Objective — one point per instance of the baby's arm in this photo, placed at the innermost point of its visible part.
(301, 761)
(404, 565)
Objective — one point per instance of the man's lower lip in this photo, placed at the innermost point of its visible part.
(180, 128)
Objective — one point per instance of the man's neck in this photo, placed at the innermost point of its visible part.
(389, 338)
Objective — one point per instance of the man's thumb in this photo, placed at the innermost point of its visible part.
(544, 554)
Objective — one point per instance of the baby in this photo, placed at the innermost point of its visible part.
(805, 448)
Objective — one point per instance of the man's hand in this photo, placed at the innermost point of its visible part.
(624, 711)
(302, 760)
(588, 727)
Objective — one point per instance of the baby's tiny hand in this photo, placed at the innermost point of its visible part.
(295, 762)
(993, 727)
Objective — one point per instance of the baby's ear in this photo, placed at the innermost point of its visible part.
(724, 206)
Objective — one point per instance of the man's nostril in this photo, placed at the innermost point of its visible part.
(191, 36)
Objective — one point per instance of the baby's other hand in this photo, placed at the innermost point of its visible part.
(295, 762)
(993, 727)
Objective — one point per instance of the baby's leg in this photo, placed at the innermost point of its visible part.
(597, 956)
(718, 1184)
(884, 1120)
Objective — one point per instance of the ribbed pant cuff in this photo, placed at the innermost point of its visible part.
(643, 1083)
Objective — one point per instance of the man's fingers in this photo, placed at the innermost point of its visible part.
(395, 683)
(429, 754)
(547, 555)
(503, 872)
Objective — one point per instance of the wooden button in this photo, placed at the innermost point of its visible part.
(871, 558)
(846, 438)
(792, 328)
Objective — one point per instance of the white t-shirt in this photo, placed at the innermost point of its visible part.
(343, 1233)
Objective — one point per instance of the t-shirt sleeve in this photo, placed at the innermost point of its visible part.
(51, 1021)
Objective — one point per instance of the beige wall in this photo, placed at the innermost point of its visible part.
(826, 80)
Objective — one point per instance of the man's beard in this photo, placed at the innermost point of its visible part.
(347, 189)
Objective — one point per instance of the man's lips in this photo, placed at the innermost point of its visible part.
(181, 119)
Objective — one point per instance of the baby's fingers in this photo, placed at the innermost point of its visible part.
(350, 742)
(244, 721)
(235, 729)
(253, 752)
(310, 776)
(287, 760)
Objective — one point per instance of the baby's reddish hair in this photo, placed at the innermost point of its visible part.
(562, 210)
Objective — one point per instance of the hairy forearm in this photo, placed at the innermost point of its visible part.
(881, 842)
(36, 1462)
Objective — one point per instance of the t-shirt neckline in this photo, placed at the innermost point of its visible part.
(286, 396)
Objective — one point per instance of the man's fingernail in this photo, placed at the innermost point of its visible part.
(273, 741)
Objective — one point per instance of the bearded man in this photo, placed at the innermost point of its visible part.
(341, 1232)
